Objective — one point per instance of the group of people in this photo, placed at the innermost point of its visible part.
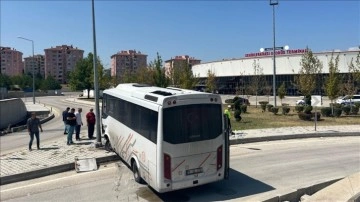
(73, 122)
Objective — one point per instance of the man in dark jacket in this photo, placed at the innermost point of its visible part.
(64, 115)
(33, 125)
(71, 123)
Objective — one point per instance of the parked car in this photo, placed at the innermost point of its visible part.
(300, 102)
(347, 100)
(244, 101)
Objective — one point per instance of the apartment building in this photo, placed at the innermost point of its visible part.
(11, 61)
(61, 60)
(127, 61)
(36, 63)
(179, 61)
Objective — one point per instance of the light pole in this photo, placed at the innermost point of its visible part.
(96, 83)
(33, 66)
(273, 49)
(273, 3)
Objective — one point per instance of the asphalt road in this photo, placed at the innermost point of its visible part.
(258, 171)
(54, 129)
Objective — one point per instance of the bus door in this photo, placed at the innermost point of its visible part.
(227, 147)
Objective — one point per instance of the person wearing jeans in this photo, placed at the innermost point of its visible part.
(71, 123)
(64, 115)
(90, 120)
(33, 125)
(79, 123)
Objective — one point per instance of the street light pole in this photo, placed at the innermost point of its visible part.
(273, 3)
(33, 66)
(96, 83)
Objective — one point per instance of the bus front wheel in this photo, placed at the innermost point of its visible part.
(136, 173)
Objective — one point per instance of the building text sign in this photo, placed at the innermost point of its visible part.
(278, 52)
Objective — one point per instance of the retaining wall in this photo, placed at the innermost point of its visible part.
(12, 111)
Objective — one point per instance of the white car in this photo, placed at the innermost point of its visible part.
(300, 102)
(346, 100)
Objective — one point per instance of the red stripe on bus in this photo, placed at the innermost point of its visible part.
(204, 160)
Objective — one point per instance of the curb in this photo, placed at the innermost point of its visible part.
(289, 137)
(71, 166)
(297, 194)
(50, 171)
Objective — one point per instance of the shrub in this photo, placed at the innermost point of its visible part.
(346, 109)
(285, 110)
(304, 116)
(357, 104)
(354, 110)
(269, 106)
(337, 112)
(237, 115)
(274, 110)
(263, 102)
(263, 107)
(326, 111)
(308, 109)
(336, 105)
(236, 98)
(299, 108)
(237, 104)
(243, 108)
(229, 101)
(318, 115)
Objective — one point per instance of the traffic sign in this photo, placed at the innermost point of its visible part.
(276, 48)
(316, 100)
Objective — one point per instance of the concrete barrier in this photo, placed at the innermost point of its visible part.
(12, 111)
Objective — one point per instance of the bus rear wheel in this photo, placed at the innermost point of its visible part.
(136, 173)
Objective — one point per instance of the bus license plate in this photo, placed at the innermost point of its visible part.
(194, 171)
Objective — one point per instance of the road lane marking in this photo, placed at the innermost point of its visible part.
(54, 180)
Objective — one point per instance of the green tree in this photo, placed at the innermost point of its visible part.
(311, 67)
(282, 91)
(5, 81)
(352, 79)
(128, 76)
(332, 82)
(267, 89)
(145, 75)
(160, 79)
(256, 81)
(50, 83)
(82, 77)
(23, 81)
(211, 82)
(187, 79)
(175, 73)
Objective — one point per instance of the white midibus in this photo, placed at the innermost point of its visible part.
(171, 138)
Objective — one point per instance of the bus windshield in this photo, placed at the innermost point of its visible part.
(191, 123)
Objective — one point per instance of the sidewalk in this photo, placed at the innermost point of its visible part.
(55, 156)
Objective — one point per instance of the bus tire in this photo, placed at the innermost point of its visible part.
(137, 176)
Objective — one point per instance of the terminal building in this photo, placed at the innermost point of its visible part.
(233, 75)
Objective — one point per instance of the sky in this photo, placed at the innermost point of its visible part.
(207, 30)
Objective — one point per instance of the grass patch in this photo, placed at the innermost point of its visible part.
(256, 119)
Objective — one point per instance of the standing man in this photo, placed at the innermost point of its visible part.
(64, 115)
(228, 115)
(71, 123)
(33, 125)
(90, 119)
(79, 123)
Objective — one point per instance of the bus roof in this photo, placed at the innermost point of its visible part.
(156, 94)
